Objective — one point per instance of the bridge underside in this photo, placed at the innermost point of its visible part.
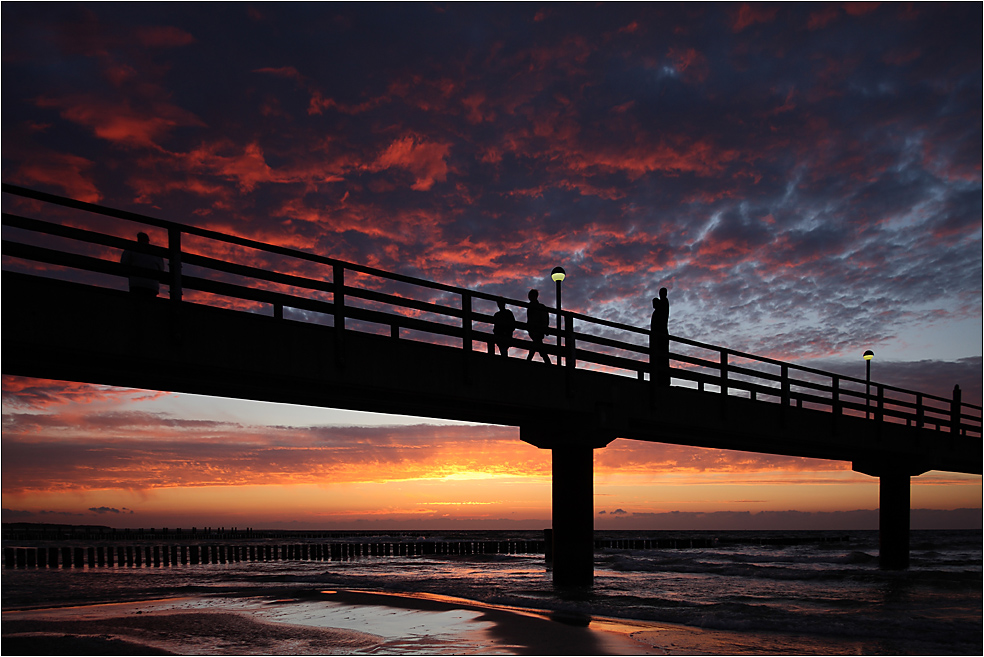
(66, 331)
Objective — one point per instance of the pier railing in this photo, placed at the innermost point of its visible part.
(81, 242)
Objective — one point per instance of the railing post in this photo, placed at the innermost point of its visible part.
(880, 411)
(784, 393)
(569, 343)
(174, 255)
(835, 395)
(920, 411)
(466, 325)
(338, 303)
(569, 347)
(724, 372)
(466, 321)
(955, 407)
(724, 382)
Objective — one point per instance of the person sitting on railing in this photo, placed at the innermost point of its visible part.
(140, 257)
(503, 325)
(659, 340)
(537, 322)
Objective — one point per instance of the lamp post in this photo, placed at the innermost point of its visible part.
(558, 275)
(868, 355)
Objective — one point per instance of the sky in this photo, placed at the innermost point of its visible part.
(805, 180)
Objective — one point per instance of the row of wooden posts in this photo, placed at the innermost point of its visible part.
(174, 555)
(108, 556)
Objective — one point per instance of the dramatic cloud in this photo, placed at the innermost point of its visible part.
(805, 181)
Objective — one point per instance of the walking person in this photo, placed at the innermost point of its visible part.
(537, 322)
(503, 325)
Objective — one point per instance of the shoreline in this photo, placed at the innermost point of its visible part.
(298, 620)
(304, 622)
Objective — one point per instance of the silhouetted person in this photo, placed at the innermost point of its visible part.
(537, 321)
(503, 325)
(140, 257)
(659, 340)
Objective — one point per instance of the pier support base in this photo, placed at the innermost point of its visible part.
(573, 516)
(893, 521)
(893, 510)
(572, 446)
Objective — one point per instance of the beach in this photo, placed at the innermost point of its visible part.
(360, 622)
(795, 593)
(304, 622)
(310, 623)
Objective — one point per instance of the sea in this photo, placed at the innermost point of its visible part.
(823, 586)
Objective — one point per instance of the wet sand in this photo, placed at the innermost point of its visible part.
(305, 622)
(328, 622)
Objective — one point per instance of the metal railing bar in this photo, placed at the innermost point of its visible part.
(236, 291)
(233, 239)
(76, 261)
(250, 271)
(70, 232)
(404, 302)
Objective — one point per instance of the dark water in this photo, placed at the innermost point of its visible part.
(822, 584)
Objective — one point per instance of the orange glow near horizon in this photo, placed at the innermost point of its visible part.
(81, 454)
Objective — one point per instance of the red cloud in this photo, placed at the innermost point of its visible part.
(146, 187)
(474, 104)
(692, 64)
(162, 37)
(749, 15)
(860, 8)
(694, 156)
(283, 72)
(822, 18)
(247, 168)
(425, 160)
(319, 103)
(122, 123)
(60, 170)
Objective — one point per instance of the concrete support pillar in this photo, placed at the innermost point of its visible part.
(893, 521)
(893, 508)
(573, 515)
(571, 441)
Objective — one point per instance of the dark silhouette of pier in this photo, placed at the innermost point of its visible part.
(243, 319)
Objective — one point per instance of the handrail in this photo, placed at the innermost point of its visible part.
(730, 377)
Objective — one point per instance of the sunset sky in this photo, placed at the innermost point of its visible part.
(805, 179)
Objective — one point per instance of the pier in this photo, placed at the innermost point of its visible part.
(333, 334)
